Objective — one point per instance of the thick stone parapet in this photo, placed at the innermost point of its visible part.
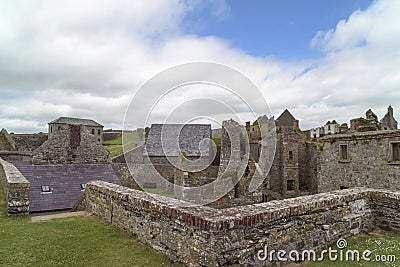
(203, 236)
(16, 188)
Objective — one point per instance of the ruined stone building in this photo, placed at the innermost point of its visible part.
(367, 159)
(87, 125)
(369, 123)
(165, 142)
(287, 120)
(388, 122)
(57, 171)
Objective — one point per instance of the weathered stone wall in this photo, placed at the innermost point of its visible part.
(203, 236)
(71, 144)
(124, 175)
(16, 188)
(11, 156)
(29, 142)
(6, 142)
(295, 160)
(107, 136)
(368, 163)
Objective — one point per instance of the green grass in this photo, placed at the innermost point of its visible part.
(77, 241)
(115, 146)
(378, 242)
(217, 139)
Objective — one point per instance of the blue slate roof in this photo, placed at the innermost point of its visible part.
(64, 180)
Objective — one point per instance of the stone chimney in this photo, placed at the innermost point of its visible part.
(296, 124)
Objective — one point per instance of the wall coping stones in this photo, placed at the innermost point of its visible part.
(16, 188)
(361, 135)
(15, 152)
(212, 220)
(12, 174)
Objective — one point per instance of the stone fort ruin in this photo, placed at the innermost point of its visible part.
(322, 185)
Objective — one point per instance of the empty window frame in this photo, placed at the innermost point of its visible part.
(343, 152)
(98, 132)
(46, 188)
(92, 131)
(395, 151)
(291, 185)
(290, 155)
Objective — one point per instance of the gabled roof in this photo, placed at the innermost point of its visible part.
(261, 120)
(76, 121)
(65, 181)
(178, 138)
(285, 119)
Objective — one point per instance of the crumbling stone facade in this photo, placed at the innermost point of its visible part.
(203, 236)
(369, 159)
(292, 173)
(72, 144)
(29, 142)
(6, 142)
(388, 122)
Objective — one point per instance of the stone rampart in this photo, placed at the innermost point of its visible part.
(203, 236)
(16, 188)
(11, 156)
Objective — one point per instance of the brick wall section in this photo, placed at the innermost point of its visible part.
(203, 236)
(16, 188)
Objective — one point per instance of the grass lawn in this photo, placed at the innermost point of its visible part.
(115, 146)
(217, 139)
(378, 242)
(78, 241)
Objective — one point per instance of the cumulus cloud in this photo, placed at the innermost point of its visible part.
(86, 59)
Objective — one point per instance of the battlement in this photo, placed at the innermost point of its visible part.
(195, 234)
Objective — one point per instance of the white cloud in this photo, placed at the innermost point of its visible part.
(86, 59)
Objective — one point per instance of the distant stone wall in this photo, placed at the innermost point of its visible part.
(11, 156)
(29, 142)
(203, 236)
(107, 136)
(6, 142)
(368, 162)
(16, 188)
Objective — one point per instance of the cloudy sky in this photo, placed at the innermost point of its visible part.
(323, 60)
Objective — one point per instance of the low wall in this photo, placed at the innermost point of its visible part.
(16, 188)
(29, 141)
(16, 155)
(203, 236)
(107, 136)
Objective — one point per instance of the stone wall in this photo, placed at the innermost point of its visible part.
(368, 162)
(203, 236)
(107, 136)
(71, 144)
(11, 156)
(16, 188)
(6, 142)
(29, 142)
(124, 175)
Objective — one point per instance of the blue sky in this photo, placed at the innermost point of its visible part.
(283, 29)
(323, 60)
